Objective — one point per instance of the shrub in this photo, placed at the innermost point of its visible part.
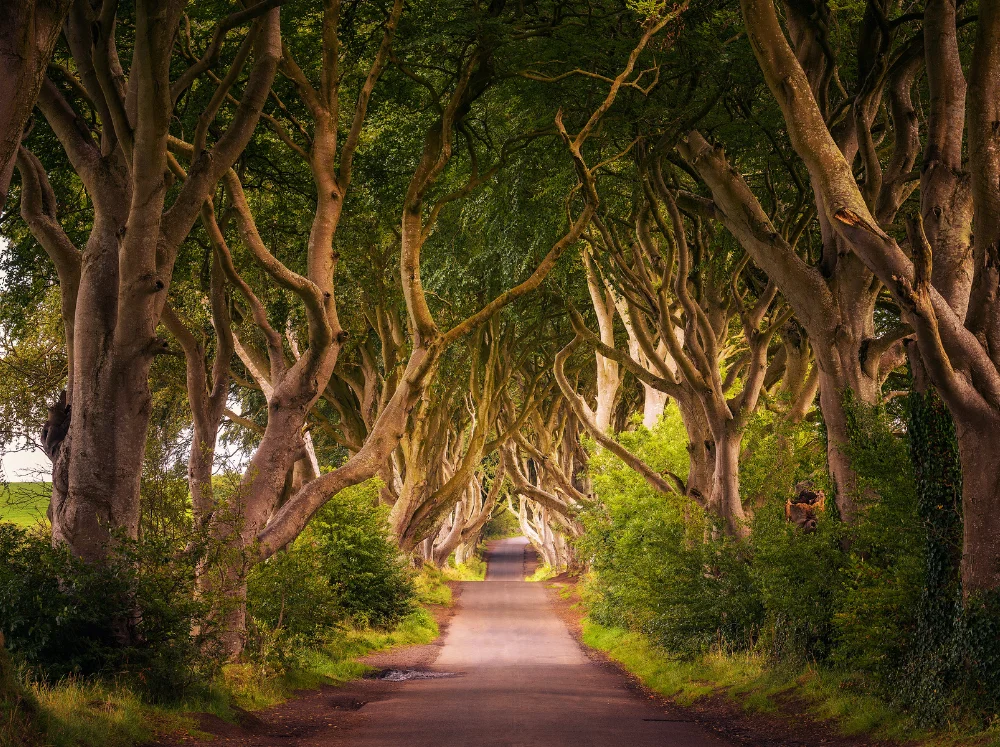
(879, 599)
(876, 607)
(343, 568)
(655, 568)
(130, 617)
(18, 711)
(659, 568)
(797, 576)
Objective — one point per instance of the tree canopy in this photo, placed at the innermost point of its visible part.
(465, 247)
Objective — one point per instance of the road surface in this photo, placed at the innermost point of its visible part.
(519, 679)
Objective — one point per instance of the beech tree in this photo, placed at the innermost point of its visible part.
(832, 292)
(945, 291)
(114, 289)
(268, 510)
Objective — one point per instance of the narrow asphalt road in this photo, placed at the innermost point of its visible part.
(518, 679)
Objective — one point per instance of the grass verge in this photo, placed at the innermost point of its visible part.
(474, 570)
(543, 573)
(84, 713)
(750, 680)
(432, 586)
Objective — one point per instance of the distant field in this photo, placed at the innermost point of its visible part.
(24, 503)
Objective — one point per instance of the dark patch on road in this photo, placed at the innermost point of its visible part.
(402, 675)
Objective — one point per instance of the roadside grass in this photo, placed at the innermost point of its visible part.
(543, 573)
(24, 503)
(76, 712)
(251, 687)
(432, 586)
(91, 713)
(752, 681)
(474, 570)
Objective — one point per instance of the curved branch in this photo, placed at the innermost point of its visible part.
(579, 409)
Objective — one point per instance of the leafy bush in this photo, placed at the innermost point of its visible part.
(878, 600)
(343, 568)
(797, 576)
(662, 568)
(132, 616)
(876, 607)
(18, 710)
(656, 569)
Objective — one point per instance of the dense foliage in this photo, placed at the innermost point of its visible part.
(63, 617)
(870, 599)
(344, 568)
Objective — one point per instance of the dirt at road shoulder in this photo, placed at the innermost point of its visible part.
(320, 716)
(792, 726)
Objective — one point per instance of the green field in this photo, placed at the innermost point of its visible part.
(24, 503)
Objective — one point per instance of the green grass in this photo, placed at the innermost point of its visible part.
(78, 712)
(543, 573)
(474, 570)
(25, 503)
(750, 680)
(249, 687)
(432, 586)
(75, 712)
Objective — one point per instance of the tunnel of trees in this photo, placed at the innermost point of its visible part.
(703, 297)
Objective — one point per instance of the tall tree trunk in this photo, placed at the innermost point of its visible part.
(977, 446)
(725, 496)
(447, 544)
(836, 387)
(653, 404)
(608, 380)
(700, 448)
(97, 491)
(28, 33)
(107, 440)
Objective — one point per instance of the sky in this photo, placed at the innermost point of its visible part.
(29, 465)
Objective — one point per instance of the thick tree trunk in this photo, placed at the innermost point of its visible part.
(28, 33)
(834, 391)
(725, 495)
(979, 449)
(107, 440)
(608, 379)
(201, 462)
(465, 551)
(415, 485)
(701, 446)
(607, 393)
(654, 402)
(96, 476)
(447, 544)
